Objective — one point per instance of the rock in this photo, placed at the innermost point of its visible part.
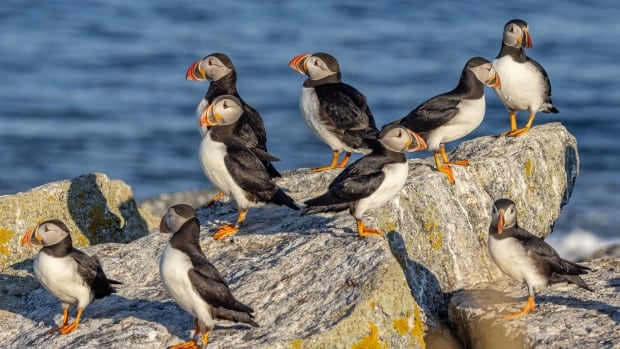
(158, 205)
(95, 208)
(567, 318)
(612, 251)
(311, 280)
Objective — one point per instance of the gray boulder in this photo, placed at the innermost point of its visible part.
(312, 281)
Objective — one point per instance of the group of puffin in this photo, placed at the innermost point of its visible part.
(234, 157)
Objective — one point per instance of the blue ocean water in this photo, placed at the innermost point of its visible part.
(99, 85)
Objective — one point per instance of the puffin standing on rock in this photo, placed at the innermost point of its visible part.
(336, 113)
(232, 167)
(220, 71)
(526, 257)
(66, 272)
(194, 283)
(525, 84)
(455, 114)
(372, 180)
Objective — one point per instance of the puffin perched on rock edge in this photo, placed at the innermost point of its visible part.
(69, 274)
(194, 283)
(372, 180)
(335, 112)
(525, 83)
(526, 257)
(455, 114)
(232, 167)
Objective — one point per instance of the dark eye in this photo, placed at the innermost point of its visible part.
(512, 29)
(512, 210)
(209, 62)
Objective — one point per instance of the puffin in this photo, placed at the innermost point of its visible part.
(525, 83)
(336, 113)
(69, 274)
(527, 258)
(371, 180)
(233, 168)
(194, 283)
(454, 114)
(218, 68)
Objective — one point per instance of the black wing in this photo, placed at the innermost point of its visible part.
(542, 251)
(248, 171)
(359, 180)
(431, 114)
(346, 107)
(89, 269)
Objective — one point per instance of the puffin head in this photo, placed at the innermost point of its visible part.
(516, 34)
(224, 110)
(175, 217)
(504, 215)
(484, 72)
(316, 66)
(48, 233)
(212, 67)
(400, 139)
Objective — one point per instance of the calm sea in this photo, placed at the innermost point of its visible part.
(99, 85)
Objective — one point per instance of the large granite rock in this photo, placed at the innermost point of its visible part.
(563, 318)
(311, 280)
(95, 209)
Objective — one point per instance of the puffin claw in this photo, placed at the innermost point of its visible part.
(225, 230)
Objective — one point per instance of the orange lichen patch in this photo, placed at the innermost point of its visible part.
(401, 326)
(371, 341)
(297, 343)
(5, 237)
(417, 332)
(373, 304)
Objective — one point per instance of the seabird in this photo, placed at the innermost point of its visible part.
(525, 84)
(336, 112)
(69, 274)
(232, 167)
(526, 257)
(194, 283)
(372, 180)
(455, 114)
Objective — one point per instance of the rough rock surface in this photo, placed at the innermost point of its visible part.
(95, 208)
(563, 318)
(311, 280)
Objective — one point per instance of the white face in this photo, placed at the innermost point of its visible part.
(485, 73)
(172, 221)
(397, 139)
(514, 35)
(508, 212)
(214, 68)
(50, 233)
(317, 69)
(226, 110)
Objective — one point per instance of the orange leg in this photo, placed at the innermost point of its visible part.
(332, 166)
(365, 231)
(65, 321)
(444, 168)
(444, 156)
(214, 199)
(66, 327)
(344, 161)
(205, 339)
(230, 229)
(528, 308)
(191, 344)
(515, 133)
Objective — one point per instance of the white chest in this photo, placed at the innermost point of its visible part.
(395, 178)
(310, 108)
(173, 269)
(522, 87)
(59, 276)
(468, 118)
(514, 261)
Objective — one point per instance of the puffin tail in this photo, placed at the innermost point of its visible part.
(235, 315)
(549, 108)
(280, 198)
(273, 172)
(324, 203)
(573, 279)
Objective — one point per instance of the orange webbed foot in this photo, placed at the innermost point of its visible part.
(214, 199)
(365, 231)
(447, 170)
(187, 345)
(528, 308)
(225, 230)
(458, 162)
(516, 133)
(324, 168)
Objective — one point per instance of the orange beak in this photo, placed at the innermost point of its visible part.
(27, 238)
(500, 222)
(528, 39)
(494, 81)
(195, 72)
(419, 144)
(298, 63)
(206, 119)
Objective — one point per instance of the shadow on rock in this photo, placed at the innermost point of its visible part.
(604, 308)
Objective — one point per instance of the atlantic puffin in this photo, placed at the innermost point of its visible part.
(194, 283)
(526, 257)
(371, 180)
(335, 112)
(455, 114)
(525, 83)
(232, 167)
(218, 68)
(66, 272)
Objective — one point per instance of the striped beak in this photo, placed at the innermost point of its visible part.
(417, 142)
(298, 63)
(494, 81)
(195, 72)
(208, 118)
(500, 222)
(31, 238)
